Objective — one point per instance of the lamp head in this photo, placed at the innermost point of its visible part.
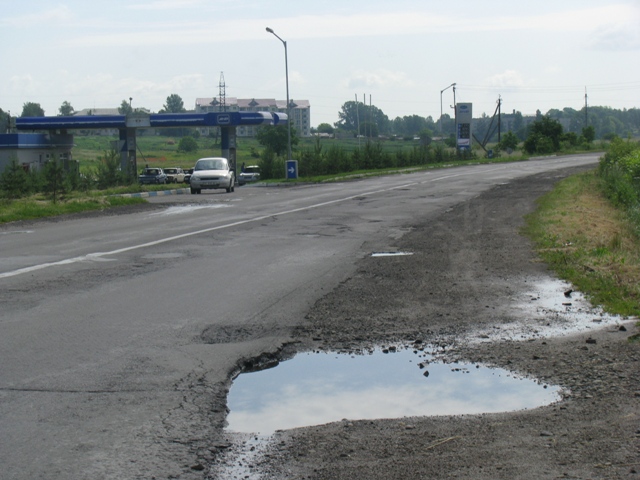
(269, 30)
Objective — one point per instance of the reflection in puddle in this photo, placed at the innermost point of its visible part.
(317, 388)
(181, 210)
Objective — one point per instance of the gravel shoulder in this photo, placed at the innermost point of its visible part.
(469, 267)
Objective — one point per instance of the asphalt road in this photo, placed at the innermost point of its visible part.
(107, 370)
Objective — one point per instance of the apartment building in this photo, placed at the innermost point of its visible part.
(300, 111)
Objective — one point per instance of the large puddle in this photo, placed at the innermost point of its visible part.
(317, 388)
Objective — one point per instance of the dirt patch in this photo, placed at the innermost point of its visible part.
(467, 269)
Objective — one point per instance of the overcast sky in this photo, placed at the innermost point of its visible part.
(534, 54)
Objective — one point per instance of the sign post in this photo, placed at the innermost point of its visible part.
(463, 125)
(292, 169)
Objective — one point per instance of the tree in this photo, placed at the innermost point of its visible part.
(325, 128)
(589, 133)
(509, 140)
(53, 179)
(31, 109)
(14, 182)
(125, 108)
(275, 138)
(4, 121)
(174, 104)
(65, 110)
(544, 136)
(355, 114)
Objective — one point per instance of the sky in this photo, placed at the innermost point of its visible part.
(401, 56)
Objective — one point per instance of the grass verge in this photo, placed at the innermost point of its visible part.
(588, 242)
(34, 207)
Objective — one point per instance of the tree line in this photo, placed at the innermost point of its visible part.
(358, 118)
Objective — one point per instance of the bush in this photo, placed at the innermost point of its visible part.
(620, 170)
(108, 173)
(188, 145)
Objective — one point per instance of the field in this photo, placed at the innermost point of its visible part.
(162, 151)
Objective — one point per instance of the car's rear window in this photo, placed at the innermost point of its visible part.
(210, 164)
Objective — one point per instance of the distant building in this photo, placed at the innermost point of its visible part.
(300, 112)
(33, 150)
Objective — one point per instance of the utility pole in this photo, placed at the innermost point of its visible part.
(586, 115)
(222, 93)
(357, 120)
(499, 115)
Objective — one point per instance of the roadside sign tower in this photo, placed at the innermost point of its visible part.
(463, 125)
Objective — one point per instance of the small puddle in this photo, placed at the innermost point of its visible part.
(391, 254)
(550, 308)
(181, 210)
(317, 388)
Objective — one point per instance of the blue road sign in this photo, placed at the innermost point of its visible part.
(292, 169)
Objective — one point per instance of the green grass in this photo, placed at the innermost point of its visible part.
(37, 207)
(589, 243)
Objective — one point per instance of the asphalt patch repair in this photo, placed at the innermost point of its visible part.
(469, 266)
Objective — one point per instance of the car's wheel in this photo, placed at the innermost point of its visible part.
(193, 191)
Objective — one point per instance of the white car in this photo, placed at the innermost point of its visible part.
(212, 172)
(249, 174)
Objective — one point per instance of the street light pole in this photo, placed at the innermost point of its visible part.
(286, 72)
(454, 96)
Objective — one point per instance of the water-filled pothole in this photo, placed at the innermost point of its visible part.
(317, 388)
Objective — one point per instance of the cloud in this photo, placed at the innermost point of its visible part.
(616, 38)
(164, 5)
(508, 78)
(377, 79)
(53, 16)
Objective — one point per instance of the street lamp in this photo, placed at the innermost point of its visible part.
(454, 101)
(286, 72)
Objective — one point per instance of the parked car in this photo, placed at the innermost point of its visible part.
(212, 172)
(249, 174)
(187, 175)
(174, 175)
(152, 175)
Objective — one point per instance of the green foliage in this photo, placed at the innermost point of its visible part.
(276, 138)
(174, 104)
(509, 140)
(589, 133)
(125, 108)
(544, 136)
(65, 109)
(356, 114)
(271, 166)
(188, 145)
(108, 173)
(31, 109)
(14, 181)
(53, 179)
(325, 128)
(619, 169)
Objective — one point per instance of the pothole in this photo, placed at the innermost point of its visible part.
(314, 388)
(317, 388)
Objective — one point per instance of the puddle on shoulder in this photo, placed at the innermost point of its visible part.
(317, 388)
(183, 209)
(550, 308)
